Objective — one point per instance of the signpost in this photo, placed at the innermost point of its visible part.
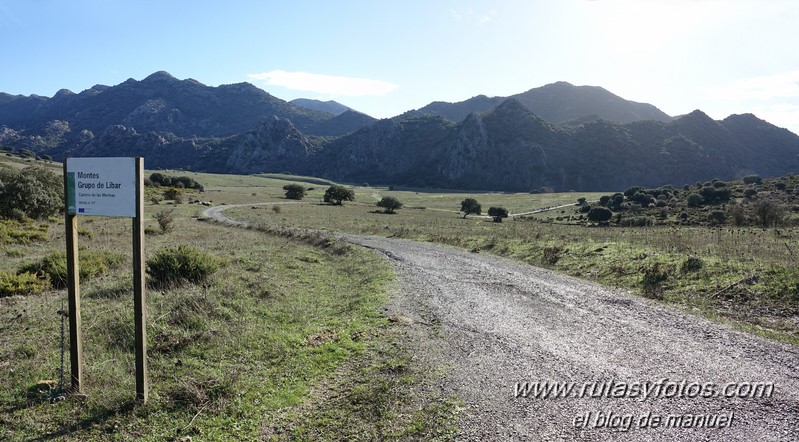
(105, 187)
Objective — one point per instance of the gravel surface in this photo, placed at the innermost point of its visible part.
(493, 323)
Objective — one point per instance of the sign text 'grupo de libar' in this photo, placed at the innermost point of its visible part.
(101, 186)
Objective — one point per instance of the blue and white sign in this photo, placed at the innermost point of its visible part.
(101, 186)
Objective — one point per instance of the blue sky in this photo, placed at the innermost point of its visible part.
(385, 57)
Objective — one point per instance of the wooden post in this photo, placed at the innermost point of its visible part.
(139, 304)
(73, 292)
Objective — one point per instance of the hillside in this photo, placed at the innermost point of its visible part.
(158, 103)
(559, 102)
(329, 106)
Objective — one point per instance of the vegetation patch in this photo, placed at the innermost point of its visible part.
(21, 284)
(175, 266)
(53, 267)
(22, 232)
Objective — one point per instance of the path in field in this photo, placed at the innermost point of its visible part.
(493, 323)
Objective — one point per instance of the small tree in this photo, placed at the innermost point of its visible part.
(294, 191)
(470, 206)
(600, 214)
(389, 203)
(336, 194)
(497, 213)
(768, 213)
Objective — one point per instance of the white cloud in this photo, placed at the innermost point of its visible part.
(325, 84)
(782, 85)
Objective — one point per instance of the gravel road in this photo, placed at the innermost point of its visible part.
(495, 324)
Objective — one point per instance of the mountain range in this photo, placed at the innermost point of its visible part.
(557, 136)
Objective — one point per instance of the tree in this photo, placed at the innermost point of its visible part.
(470, 206)
(35, 191)
(336, 194)
(600, 214)
(389, 203)
(497, 213)
(294, 191)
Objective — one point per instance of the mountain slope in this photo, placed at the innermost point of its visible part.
(557, 103)
(330, 106)
(160, 103)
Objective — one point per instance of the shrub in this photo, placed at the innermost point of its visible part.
(36, 191)
(768, 213)
(737, 213)
(294, 191)
(54, 266)
(165, 219)
(497, 213)
(652, 279)
(719, 184)
(749, 192)
(599, 214)
(171, 267)
(24, 284)
(389, 203)
(779, 185)
(717, 217)
(636, 221)
(604, 200)
(336, 194)
(691, 264)
(552, 255)
(630, 191)
(174, 194)
(752, 179)
(695, 200)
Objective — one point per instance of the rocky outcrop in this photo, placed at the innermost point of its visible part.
(275, 146)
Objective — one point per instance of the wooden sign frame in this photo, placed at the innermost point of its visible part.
(73, 284)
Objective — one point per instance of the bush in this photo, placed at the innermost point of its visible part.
(294, 191)
(165, 219)
(35, 191)
(21, 284)
(599, 214)
(604, 200)
(691, 264)
(717, 217)
(552, 255)
(389, 203)
(54, 266)
(636, 221)
(652, 279)
(695, 200)
(737, 213)
(174, 194)
(752, 179)
(336, 194)
(497, 213)
(749, 192)
(172, 267)
(768, 213)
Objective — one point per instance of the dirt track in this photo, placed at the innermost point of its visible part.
(494, 323)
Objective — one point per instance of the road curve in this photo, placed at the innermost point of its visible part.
(495, 324)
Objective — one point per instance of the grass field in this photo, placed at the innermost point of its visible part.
(286, 341)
